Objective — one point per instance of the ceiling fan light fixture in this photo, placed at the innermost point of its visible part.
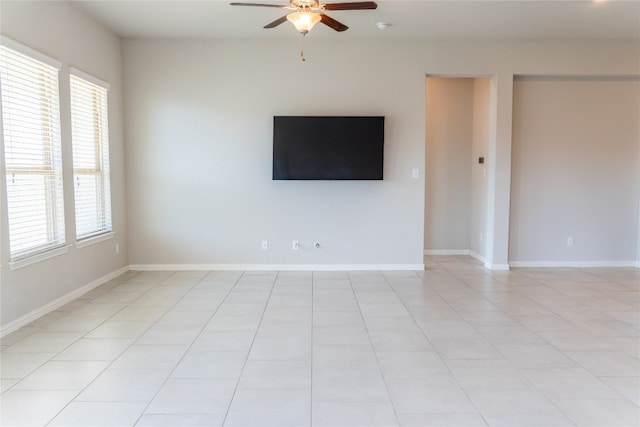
(304, 21)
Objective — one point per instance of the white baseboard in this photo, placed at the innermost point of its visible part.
(497, 267)
(277, 267)
(532, 264)
(57, 303)
(446, 252)
(573, 264)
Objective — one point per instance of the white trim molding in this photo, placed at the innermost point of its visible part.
(26, 50)
(573, 264)
(88, 77)
(447, 252)
(277, 267)
(33, 259)
(83, 243)
(57, 303)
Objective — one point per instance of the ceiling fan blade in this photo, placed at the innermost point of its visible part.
(330, 22)
(361, 5)
(258, 5)
(276, 22)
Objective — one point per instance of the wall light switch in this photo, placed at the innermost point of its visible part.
(416, 173)
(265, 245)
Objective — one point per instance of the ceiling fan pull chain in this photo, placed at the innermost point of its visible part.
(302, 58)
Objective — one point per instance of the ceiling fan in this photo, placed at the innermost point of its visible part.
(307, 13)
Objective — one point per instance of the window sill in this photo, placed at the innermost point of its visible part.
(95, 239)
(20, 263)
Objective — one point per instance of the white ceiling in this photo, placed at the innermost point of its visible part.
(417, 19)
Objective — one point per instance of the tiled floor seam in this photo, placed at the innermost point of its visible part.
(194, 340)
(246, 359)
(436, 351)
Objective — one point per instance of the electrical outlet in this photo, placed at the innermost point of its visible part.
(569, 241)
(265, 245)
(295, 245)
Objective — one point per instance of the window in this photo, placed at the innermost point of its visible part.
(90, 141)
(32, 153)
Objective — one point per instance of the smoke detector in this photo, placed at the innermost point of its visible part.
(383, 25)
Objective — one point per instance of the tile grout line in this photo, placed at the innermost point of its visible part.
(153, 324)
(375, 353)
(112, 361)
(65, 348)
(312, 348)
(41, 330)
(444, 362)
(542, 393)
(189, 347)
(506, 360)
(246, 359)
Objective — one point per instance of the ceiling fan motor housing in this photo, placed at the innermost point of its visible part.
(305, 4)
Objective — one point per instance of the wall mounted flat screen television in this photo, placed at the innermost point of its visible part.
(328, 148)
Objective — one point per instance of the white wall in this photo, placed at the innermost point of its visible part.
(59, 30)
(638, 241)
(638, 248)
(199, 155)
(575, 170)
(450, 126)
(479, 184)
(199, 143)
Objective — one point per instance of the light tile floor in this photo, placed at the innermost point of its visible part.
(455, 345)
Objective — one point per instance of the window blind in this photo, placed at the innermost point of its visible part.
(32, 153)
(90, 141)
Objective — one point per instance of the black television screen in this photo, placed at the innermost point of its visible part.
(328, 148)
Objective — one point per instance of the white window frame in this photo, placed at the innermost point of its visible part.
(90, 142)
(52, 241)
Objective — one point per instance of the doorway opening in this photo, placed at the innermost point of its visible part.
(456, 185)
